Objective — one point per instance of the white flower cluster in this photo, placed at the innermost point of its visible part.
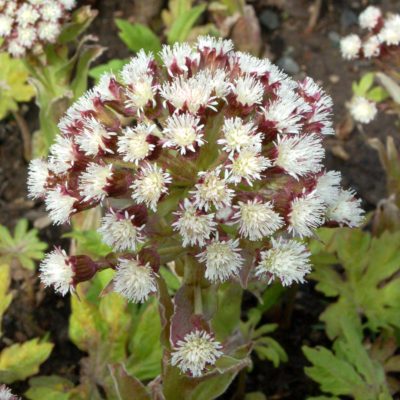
(6, 394)
(214, 148)
(362, 109)
(25, 26)
(382, 39)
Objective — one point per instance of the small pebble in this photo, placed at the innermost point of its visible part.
(269, 19)
(289, 65)
(334, 78)
(348, 18)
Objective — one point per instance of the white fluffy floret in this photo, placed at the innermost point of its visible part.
(60, 205)
(94, 137)
(51, 11)
(328, 186)
(247, 165)
(94, 181)
(38, 174)
(26, 36)
(285, 112)
(27, 15)
(6, 394)
(369, 18)
(239, 135)
(248, 90)
(390, 33)
(55, 270)
(222, 259)
(346, 210)
(372, 47)
(137, 67)
(119, 232)
(212, 190)
(362, 109)
(306, 214)
(178, 57)
(134, 145)
(194, 226)
(62, 154)
(134, 281)
(6, 24)
(150, 184)
(183, 132)
(48, 31)
(350, 47)
(191, 94)
(299, 155)
(197, 350)
(219, 46)
(257, 219)
(287, 260)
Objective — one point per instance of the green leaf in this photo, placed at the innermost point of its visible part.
(14, 86)
(19, 361)
(90, 242)
(51, 387)
(145, 361)
(181, 27)
(365, 83)
(138, 36)
(113, 66)
(334, 375)
(5, 297)
(25, 247)
(377, 94)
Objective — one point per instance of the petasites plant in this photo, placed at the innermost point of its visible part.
(210, 163)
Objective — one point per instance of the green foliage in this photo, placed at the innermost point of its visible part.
(5, 296)
(138, 36)
(49, 387)
(24, 247)
(89, 242)
(368, 285)
(114, 66)
(349, 369)
(60, 77)
(14, 87)
(364, 88)
(19, 361)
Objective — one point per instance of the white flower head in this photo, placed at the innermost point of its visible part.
(134, 144)
(68, 4)
(51, 11)
(257, 219)
(134, 281)
(285, 112)
(346, 210)
(306, 214)
(197, 350)
(328, 186)
(222, 259)
(119, 232)
(194, 226)
(372, 47)
(251, 65)
(220, 83)
(176, 58)
(239, 135)
(48, 31)
(137, 67)
(219, 46)
(103, 86)
(363, 110)
(183, 132)
(15, 48)
(299, 155)
(248, 90)
(55, 270)
(247, 165)
(63, 154)
(350, 46)
(390, 33)
(369, 18)
(6, 394)
(6, 24)
(94, 137)
(287, 260)
(26, 36)
(150, 184)
(94, 181)
(38, 173)
(212, 190)
(192, 93)
(60, 205)
(27, 15)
